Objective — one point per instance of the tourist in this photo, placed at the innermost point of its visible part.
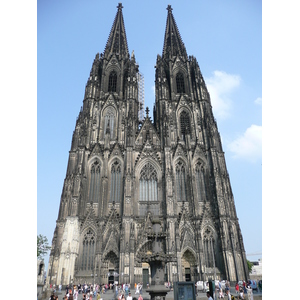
(237, 288)
(130, 297)
(70, 295)
(241, 294)
(228, 295)
(137, 288)
(221, 293)
(140, 297)
(116, 286)
(249, 292)
(75, 294)
(209, 295)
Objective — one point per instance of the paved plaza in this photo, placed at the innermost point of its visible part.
(109, 295)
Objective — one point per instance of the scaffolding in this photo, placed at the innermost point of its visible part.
(141, 95)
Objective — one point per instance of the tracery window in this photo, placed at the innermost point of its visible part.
(185, 124)
(181, 182)
(112, 82)
(88, 251)
(209, 248)
(148, 183)
(115, 182)
(94, 182)
(180, 83)
(199, 177)
(109, 120)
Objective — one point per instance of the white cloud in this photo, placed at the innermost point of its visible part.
(249, 145)
(220, 87)
(258, 101)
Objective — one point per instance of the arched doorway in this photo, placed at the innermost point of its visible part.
(110, 267)
(189, 268)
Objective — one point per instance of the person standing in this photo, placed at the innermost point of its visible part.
(70, 295)
(227, 295)
(129, 296)
(137, 289)
(209, 295)
(249, 292)
(237, 288)
(241, 294)
(116, 290)
(75, 294)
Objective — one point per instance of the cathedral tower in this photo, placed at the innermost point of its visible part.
(127, 179)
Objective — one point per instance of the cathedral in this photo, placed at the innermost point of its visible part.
(130, 180)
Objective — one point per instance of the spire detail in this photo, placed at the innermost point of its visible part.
(117, 41)
(173, 44)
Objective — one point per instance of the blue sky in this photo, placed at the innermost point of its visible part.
(226, 39)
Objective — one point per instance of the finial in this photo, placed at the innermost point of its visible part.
(147, 111)
(119, 7)
(169, 8)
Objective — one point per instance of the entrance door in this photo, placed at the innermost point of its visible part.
(187, 274)
(111, 278)
(145, 278)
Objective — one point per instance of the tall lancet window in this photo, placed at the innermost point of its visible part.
(109, 120)
(148, 183)
(199, 177)
(94, 182)
(88, 251)
(115, 182)
(112, 82)
(181, 182)
(185, 124)
(180, 83)
(208, 248)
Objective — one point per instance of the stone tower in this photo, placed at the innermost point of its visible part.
(129, 182)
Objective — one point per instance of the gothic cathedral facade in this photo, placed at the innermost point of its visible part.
(124, 175)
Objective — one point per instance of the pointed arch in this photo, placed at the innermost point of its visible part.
(109, 115)
(209, 245)
(180, 177)
(112, 81)
(185, 124)
(189, 264)
(88, 244)
(200, 181)
(148, 183)
(115, 182)
(94, 181)
(180, 83)
(148, 176)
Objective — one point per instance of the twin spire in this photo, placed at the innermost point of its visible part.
(117, 41)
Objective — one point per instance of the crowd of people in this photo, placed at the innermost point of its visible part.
(241, 292)
(122, 291)
(90, 291)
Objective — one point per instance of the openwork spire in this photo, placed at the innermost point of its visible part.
(117, 41)
(173, 44)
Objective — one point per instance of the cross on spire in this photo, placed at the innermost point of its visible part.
(119, 7)
(169, 8)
